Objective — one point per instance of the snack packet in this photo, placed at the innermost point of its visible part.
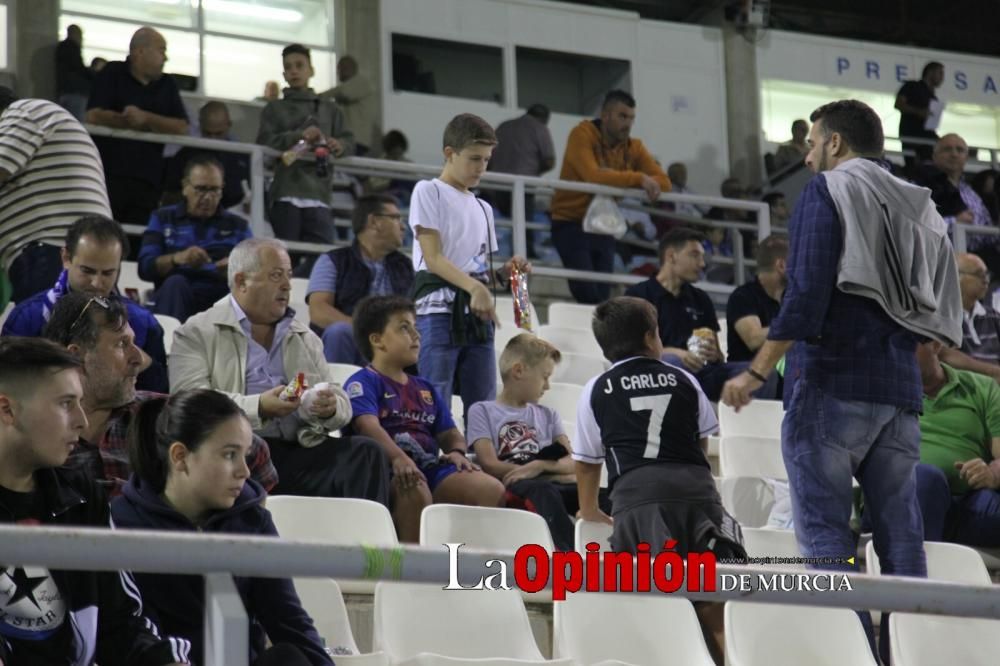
(522, 302)
(294, 389)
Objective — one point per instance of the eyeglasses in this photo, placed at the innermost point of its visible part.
(100, 300)
(986, 277)
(207, 190)
(395, 217)
(278, 275)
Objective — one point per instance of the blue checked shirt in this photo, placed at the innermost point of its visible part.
(845, 345)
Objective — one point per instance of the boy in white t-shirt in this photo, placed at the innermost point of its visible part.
(523, 443)
(452, 255)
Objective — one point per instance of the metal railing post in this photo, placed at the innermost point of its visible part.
(227, 637)
(739, 262)
(257, 217)
(959, 239)
(518, 219)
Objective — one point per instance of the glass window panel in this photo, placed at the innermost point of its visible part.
(4, 42)
(239, 68)
(179, 13)
(784, 101)
(443, 67)
(285, 21)
(567, 82)
(109, 40)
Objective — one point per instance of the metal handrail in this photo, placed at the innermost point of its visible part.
(518, 184)
(148, 551)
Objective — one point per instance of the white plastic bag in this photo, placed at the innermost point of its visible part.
(604, 217)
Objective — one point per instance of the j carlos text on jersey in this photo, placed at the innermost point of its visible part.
(648, 380)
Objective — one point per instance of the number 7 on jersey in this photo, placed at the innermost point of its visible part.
(657, 406)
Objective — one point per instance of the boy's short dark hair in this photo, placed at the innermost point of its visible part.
(618, 95)
(771, 249)
(372, 315)
(69, 324)
(856, 122)
(22, 361)
(621, 325)
(367, 205)
(772, 198)
(296, 48)
(468, 129)
(677, 238)
(102, 229)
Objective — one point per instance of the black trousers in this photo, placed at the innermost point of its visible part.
(282, 654)
(132, 199)
(35, 269)
(339, 467)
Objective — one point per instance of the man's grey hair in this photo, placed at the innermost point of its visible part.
(245, 257)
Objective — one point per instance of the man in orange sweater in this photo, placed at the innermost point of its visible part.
(600, 151)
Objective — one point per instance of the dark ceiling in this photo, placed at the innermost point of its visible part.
(966, 26)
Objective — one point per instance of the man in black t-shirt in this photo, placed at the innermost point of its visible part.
(135, 95)
(913, 101)
(752, 306)
(48, 616)
(681, 308)
(649, 421)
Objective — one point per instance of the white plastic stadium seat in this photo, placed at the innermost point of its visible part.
(761, 418)
(763, 542)
(578, 368)
(948, 562)
(500, 530)
(571, 340)
(589, 530)
(931, 640)
(298, 299)
(322, 599)
(723, 336)
(645, 628)
(169, 326)
(563, 398)
(341, 372)
(423, 625)
(128, 278)
(6, 311)
(457, 410)
(339, 521)
(742, 455)
(501, 336)
(767, 634)
(572, 315)
(748, 498)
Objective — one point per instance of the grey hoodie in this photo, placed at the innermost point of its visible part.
(896, 249)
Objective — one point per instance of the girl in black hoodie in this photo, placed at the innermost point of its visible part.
(189, 473)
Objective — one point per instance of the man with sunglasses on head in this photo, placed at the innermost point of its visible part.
(186, 247)
(92, 258)
(97, 331)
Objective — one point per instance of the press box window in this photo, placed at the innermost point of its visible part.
(567, 82)
(444, 67)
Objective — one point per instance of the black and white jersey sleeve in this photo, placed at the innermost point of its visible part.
(642, 411)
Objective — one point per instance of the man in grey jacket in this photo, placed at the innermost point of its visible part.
(250, 346)
(300, 193)
(853, 390)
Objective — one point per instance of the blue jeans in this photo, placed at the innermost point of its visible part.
(440, 362)
(179, 296)
(972, 519)
(585, 252)
(339, 345)
(824, 442)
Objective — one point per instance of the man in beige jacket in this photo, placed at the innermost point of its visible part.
(249, 346)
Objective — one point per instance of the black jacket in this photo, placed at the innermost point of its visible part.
(177, 602)
(104, 607)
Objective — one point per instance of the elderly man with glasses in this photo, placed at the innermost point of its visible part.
(250, 347)
(186, 246)
(981, 323)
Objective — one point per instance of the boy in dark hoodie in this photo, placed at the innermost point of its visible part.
(60, 617)
(188, 456)
(300, 192)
